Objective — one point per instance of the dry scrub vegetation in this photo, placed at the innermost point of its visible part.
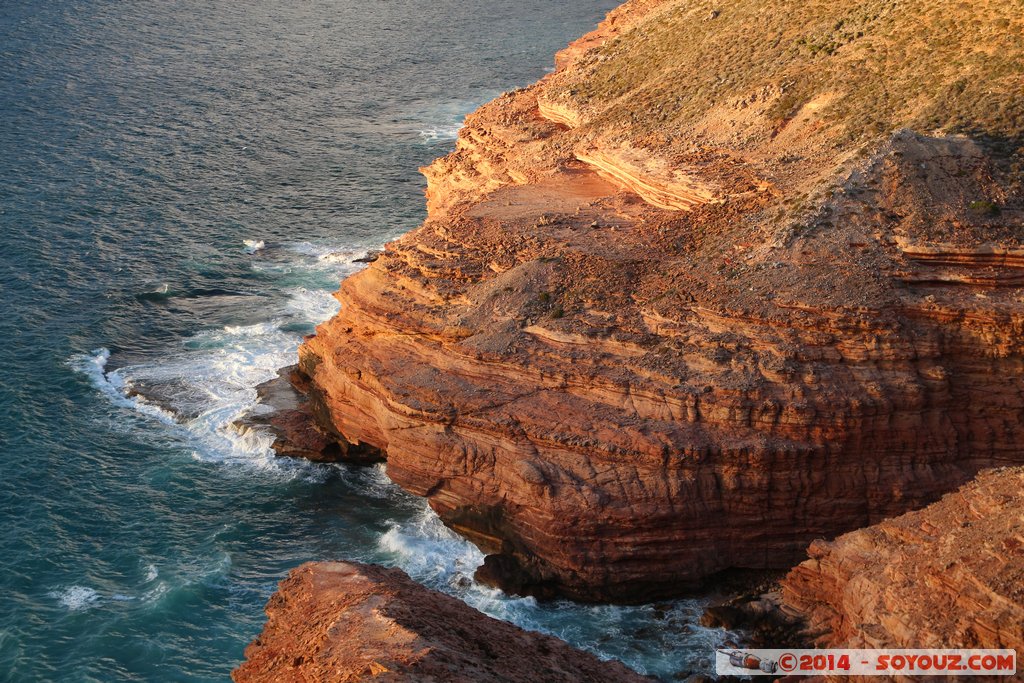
(931, 65)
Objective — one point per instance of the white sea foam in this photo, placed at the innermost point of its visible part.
(214, 385)
(200, 571)
(435, 555)
(252, 246)
(156, 593)
(76, 598)
(374, 482)
(442, 121)
(316, 304)
(659, 640)
(334, 257)
(339, 257)
(208, 384)
(429, 551)
(210, 381)
(215, 569)
(438, 133)
(112, 385)
(319, 251)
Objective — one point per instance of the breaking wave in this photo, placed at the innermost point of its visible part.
(655, 639)
(202, 388)
(199, 390)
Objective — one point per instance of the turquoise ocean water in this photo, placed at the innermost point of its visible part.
(146, 149)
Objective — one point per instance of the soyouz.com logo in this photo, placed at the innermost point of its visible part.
(766, 662)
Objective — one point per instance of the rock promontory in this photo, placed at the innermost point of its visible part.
(341, 621)
(731, 279)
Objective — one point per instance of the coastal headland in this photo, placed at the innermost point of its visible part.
(732, 279)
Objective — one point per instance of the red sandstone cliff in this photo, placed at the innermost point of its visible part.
(730, 280)
(950, 575)
(342, 622)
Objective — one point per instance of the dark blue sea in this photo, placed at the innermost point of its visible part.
(182, 185)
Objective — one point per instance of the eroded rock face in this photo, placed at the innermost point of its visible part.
(950, 575)
(620, 368)
(287, 411)
(340, 621)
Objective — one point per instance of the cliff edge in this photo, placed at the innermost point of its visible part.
(341, 621)
(731, 279)
(949, 575)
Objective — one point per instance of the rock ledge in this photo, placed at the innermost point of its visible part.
(344, 621)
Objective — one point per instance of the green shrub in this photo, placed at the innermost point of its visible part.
(983, 208)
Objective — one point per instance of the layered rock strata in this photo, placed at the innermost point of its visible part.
(339, 621)
(949, 575)
(638, 341)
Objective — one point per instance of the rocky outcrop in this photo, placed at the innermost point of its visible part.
(285, 410)
(639, 341)
(950, 575)
(339, 621)
(681, 191)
